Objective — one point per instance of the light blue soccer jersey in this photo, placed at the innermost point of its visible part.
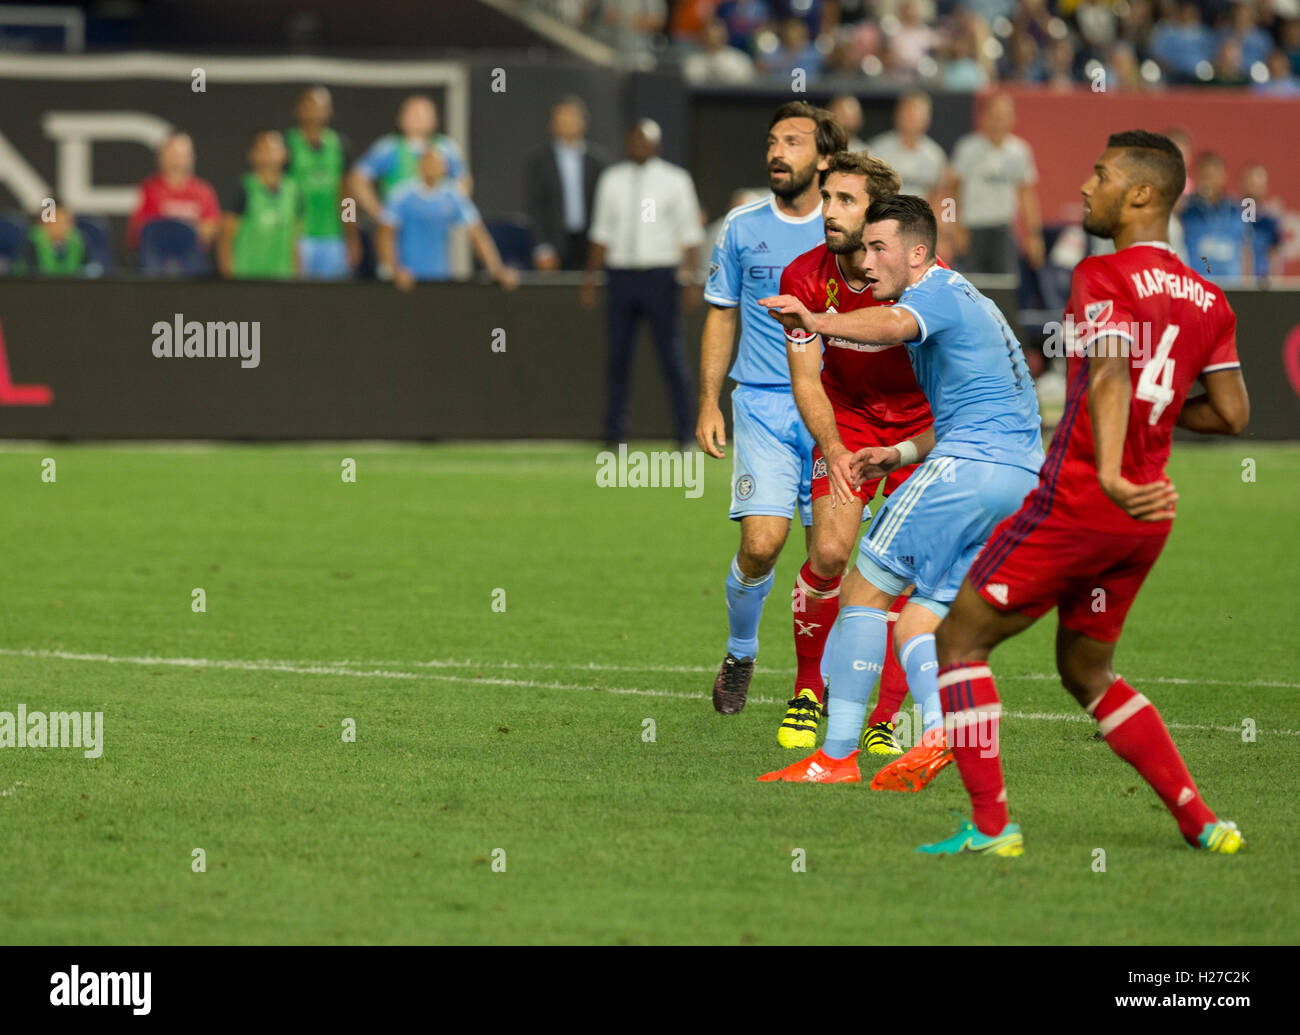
(755, 244)
(971, 368)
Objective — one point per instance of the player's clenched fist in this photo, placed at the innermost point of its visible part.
(792, 313)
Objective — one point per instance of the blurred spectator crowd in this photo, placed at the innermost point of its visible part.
(958, 44)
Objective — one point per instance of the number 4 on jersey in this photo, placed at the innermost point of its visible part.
(1156, 385)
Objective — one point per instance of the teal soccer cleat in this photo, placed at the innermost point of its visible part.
(968, 840)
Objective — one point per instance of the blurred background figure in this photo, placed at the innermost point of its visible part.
(55, 247)
(318, 161)
(1264, 232)
(919, 161)
(645, 228)
(846, 110)
(795, 52)
(560, 186)
(395, 157)
(993, 175)
(414, 237)
(175, 193)
(259, 232)
(718, 61)
(1213, 228)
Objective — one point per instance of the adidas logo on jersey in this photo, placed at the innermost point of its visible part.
(761, 248)
(998, 591)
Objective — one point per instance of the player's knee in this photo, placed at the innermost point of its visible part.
(1084, 682)
(758, 554)
(828, 558)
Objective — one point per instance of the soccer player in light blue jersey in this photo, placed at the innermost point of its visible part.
(772, 453)
(981, 458)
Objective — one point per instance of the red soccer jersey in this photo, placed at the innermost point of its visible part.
(872, 385)
(1178, 326)
(194, 202)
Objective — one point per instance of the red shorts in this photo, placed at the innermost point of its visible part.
(856, 437)
(1034, 562)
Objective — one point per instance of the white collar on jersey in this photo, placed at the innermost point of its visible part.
(816, 213)
(1153, 244)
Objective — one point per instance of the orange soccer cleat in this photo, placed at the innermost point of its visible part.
(917, 767)
(818, 767)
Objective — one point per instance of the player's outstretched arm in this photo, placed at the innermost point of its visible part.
(1224, 409)
(879, 325)
(1110, 394)
(716, 345)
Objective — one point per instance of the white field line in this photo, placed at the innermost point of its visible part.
(351, 669)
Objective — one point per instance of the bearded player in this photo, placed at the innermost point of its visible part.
(850, 395)
(1147, 328)
(981, 458)
(772, 460)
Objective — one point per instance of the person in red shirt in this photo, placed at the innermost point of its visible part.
(174, 192)
(850, 396)
(1141, 329)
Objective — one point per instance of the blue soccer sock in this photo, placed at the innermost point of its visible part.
(855, 667)
(921, 664)
(745, 598)
(828, 652)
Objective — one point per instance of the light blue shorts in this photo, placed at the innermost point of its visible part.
(771, 455)
(322, 258)
(933, 526)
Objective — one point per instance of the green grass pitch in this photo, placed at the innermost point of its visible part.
(486, 736)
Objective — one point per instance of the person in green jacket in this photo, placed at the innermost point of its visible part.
(329, 248)
(54, 247)
(263, 220)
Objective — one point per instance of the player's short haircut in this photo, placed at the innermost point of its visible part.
(914, 216)
(1155, 159)
(881, 178)
(830, 134)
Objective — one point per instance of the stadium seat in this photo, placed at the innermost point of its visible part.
(170, 248)
(513, 237)
(99, 244)
(13, 235)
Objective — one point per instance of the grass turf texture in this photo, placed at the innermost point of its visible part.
(607, 838)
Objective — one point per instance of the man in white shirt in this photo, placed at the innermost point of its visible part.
(918, 160)
(645, 231)
(718, 62)
(995, 179)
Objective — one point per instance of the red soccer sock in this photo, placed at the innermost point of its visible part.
(893, 680)
(1134, 730)
(972, 713)
(817, 605)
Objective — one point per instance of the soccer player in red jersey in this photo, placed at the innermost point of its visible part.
(850, 396)
(1145, 327)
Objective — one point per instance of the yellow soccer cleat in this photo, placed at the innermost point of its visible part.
(1221, 836)
(799, 727)
(880, 740)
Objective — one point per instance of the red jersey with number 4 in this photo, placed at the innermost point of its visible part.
(1177, 326)
(870, 385)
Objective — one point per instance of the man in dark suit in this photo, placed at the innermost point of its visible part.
(560, 187)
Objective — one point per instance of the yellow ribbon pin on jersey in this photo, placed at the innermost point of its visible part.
(832, 292)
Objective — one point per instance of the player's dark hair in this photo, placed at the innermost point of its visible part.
(830, 134)
(1154, 156)
(881, 178)
(914, 216)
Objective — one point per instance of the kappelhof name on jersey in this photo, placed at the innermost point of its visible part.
(1148, 282)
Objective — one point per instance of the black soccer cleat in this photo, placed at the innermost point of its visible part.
(731, 688)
